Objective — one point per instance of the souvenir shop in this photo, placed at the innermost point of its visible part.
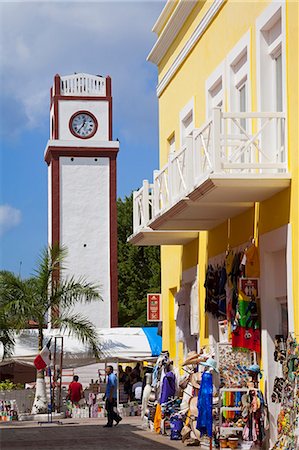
(216, 398)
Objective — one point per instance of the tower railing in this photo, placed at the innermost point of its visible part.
(83, 84)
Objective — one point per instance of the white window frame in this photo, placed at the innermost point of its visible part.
(184, 113)
(236, 79)
(216, 77)
(267, 100)
(274, 49)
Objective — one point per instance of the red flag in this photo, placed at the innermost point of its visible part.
(43, 358)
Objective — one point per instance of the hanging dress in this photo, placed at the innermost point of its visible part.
(204, 405)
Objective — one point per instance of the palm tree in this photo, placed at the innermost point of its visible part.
(47, 297)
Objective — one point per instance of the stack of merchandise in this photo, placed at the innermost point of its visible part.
(76, 411)
(233, 366)
(288, 419)
(8, 410)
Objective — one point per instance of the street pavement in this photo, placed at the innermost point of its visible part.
(82, 434)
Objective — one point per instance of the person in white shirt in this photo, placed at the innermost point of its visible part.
(137, 389)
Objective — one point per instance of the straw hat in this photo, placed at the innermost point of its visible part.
(195, 379)
(192, 358)
(193, 406)
(210, 363)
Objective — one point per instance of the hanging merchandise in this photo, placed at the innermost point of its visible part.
(252, 264)
(168, 387)
(204, 405)
(205, 399)
(233, 365)
(246, 325)
(254, 413)
(288, 396)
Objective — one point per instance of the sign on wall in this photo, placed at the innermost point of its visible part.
(154, 308)
(249, 286)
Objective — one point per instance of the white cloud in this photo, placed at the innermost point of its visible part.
(40, 39)
(9, 217)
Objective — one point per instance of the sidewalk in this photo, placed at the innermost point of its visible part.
(83, 434)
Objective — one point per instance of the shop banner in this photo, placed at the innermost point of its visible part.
(154, 308)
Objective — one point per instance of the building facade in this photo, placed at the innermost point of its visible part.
(228, 177)
(81, 158)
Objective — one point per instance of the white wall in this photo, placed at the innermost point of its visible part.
(98, 108)
(85, 220)
(273, 286)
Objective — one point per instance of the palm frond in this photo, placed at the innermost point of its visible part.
(69, 292)
(80, 327)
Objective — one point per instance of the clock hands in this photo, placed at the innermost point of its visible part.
(81, 126)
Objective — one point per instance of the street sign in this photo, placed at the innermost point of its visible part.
(154, 308)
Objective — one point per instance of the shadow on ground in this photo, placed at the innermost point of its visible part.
(83, 437)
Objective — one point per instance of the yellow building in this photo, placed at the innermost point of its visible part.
(228, 178)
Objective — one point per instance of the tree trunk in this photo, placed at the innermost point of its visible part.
(40, 404)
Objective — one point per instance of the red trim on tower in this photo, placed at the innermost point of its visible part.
(55, 152)
(55, 201)
(113, 246)
(82, 97)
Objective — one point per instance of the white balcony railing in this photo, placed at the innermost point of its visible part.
(143, 206)
(227, 144)
(83, 84)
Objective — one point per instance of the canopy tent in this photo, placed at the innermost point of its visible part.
(115, 343)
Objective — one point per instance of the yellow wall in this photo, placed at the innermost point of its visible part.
(230, 25)
(292, 41)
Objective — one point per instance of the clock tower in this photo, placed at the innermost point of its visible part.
(81, 158)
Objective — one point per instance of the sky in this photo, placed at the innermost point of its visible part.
(37, 40)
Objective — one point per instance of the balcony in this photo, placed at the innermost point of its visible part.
(232, 161)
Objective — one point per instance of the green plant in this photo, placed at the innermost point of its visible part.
(8, 385)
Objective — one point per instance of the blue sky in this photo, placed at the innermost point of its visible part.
(39, 39)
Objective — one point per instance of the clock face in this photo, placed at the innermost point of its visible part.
(83, 124)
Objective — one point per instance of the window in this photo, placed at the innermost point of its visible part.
(238, 76)
(215, 95)
(270, 31)
(187, 121)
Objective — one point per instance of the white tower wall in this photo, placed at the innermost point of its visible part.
(85, 227)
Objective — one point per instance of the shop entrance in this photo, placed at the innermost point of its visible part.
(274, 312)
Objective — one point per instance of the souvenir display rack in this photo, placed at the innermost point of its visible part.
(8, 410)
(232, 365)
(222, 408)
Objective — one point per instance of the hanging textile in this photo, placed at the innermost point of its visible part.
(252, 265)
(204, 405)
(182, 299)
(194, 313)
(168, 387)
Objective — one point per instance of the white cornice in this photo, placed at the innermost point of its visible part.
(171, 30)
(196, 35)
(167, 10)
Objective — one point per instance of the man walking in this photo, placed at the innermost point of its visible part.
(111, 396)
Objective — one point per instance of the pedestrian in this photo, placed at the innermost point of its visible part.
(75, 390)
(137, 389)
(110, 398)
(127, 384)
